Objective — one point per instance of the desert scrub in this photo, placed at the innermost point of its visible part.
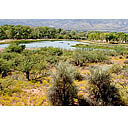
(63, 91)
(77, 58)
(95, 57)
(52, 51)
(5, 67)
(15, 47)
(125, 71)
(78, 76)
(102, 90)
(116, 68)
(99, 76)
(111, 53)
(80, 57)
(124, 94)
(9, 86)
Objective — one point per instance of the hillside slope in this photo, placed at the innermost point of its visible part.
(74, 24)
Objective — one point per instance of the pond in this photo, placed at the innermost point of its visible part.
(57, 44)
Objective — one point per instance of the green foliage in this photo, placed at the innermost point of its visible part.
(77, 75)
(53, 51)
(5, 67)
(8, 87)
(80, 57)
(99, 76)
(106, 49)
(15, 48)
(7, 56)
(26, 66)
(29, 32)
(116, 68)
(63, 91)
(40, 69)
(103, 91)
(125, 70)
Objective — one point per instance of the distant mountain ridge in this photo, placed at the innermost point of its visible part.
(114, 25)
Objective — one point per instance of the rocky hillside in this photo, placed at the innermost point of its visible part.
(74, 24)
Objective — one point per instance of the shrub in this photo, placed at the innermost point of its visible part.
(53, 51)
(96, 57)
(39, 69)
(63, 92)
(8, 86)
(26, 66)
(80, 57)
(116, 68)
(77, 75)
(52, 59)
(15, 47)
(110, 53)
(100, 76)
(125, 71)
(8, 56)
(5, 67)
(103, 91)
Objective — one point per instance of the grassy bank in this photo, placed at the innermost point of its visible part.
(119, 49)
(28, 40)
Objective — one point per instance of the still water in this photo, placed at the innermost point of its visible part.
(57, 44)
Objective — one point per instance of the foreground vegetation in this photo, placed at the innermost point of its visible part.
(52, 76)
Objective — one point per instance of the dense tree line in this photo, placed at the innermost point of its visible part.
(28, 32)
(110, 37)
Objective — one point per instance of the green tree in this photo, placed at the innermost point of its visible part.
(26, 66)
(5, 67)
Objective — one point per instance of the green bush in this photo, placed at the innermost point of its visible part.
(8, 86)
(116, 68)
(26, 65)
(99, 76)
(125, 71)
(96, 57)
(40, 69)
(8, 56)
(63, 91)
(102, 90)
(110, 53)
(77, 75)
(80, 57)
(15, 47)
(53, 51)
(5, 67)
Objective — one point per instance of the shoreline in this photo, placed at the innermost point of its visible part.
(9, 41)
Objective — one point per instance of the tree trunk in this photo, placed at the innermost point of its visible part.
(27, 75)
